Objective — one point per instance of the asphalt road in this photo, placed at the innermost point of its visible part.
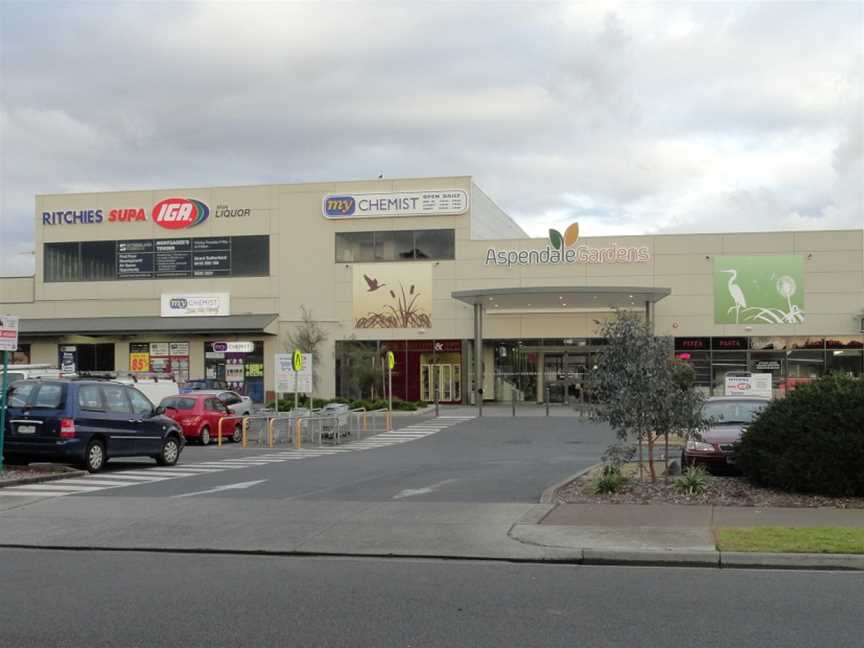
(94, 599)
(482, 460)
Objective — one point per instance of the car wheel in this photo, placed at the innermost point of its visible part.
(94, 458)
(237, 437)
(170, 452)
(205, 436)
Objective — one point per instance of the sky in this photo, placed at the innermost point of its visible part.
(630, 118)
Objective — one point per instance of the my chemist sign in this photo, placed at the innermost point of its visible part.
(562, 249)
(446, 202)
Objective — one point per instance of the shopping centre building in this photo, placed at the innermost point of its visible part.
(211, 282)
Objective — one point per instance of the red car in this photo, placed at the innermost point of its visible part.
(199, 416)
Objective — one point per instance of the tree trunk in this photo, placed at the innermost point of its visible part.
(666, 458)
(651, 457)
(641, 460)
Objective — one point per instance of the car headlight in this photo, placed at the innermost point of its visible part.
(699, 446)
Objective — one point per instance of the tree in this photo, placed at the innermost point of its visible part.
(642, 392)
(308, 338)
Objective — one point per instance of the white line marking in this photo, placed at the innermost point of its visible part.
(155, 473)
(95, 482)
(411, 492)
(218, 489)
(139, 479)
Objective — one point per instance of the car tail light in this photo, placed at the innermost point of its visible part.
(67, 428)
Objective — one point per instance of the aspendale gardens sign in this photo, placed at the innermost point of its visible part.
(563, 250)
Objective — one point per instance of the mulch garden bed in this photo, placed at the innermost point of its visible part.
(721, 490)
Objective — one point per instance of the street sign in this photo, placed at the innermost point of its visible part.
(298, 360)
(286, 376)
(8, 333)
(391, 360)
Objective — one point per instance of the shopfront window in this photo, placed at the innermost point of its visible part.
(724, 362)
(395, 245)
(240, 364)
(845, 361)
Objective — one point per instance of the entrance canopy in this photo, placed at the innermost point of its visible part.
(557, 297)
(550, 298)
(94, 326)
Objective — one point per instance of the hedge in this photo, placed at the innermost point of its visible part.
(811, 441)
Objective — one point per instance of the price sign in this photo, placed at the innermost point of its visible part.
(139, 361)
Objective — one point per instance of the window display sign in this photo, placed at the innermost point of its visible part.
(233, 347)
(693, 344)
(729, 343)
(754, 384)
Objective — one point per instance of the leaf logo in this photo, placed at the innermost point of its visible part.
(571, 235)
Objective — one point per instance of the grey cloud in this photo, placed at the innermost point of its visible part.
(542, 103)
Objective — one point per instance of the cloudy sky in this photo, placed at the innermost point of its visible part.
(630, 118)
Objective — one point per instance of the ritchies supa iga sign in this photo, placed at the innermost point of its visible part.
(562, 249)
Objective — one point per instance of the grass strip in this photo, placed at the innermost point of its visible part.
(834, 540)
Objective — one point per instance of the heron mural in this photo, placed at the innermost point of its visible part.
(759, 290)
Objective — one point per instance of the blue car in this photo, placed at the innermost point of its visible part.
(86, 422)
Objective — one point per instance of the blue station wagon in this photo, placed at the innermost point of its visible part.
(86, 422)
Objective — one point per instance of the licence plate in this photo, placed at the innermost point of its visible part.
(26, 429)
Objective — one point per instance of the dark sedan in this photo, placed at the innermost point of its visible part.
(728, 417)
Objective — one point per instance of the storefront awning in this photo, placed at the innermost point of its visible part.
(558, 297)
(126, 325)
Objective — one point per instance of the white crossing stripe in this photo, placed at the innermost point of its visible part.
(8, 492)
(135, 478)
(52, 487)
(155, 473)
(96, 482)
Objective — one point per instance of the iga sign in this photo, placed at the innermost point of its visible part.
(179, 213)
(562, 249)
(200, 305)
(448, 202)
(754, 384)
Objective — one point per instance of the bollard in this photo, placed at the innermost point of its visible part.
(219, 433)
(547, 400)
(365, 422)
(513, 400)
(270, 423)
(436, 401)
(245, 431)
(298, 433)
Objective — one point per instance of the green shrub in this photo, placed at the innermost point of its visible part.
(610, 480)
(693, 481)
(812, 441)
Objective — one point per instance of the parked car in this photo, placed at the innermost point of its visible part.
(239, 405)
(199, 415)
(203, 384)
(18, 372)
(86, 422)
(155, 387)
(729, 416)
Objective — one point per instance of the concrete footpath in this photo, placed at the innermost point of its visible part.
(676, 535)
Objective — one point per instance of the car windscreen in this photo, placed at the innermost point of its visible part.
(32, 395)
(177, 403)
(723, 412)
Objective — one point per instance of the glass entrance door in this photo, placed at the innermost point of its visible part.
(448, 379)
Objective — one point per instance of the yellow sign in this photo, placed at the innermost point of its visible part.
(139, 362)
(391, 360)
(298, 360)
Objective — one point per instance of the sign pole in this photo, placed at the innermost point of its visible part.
(3, 404)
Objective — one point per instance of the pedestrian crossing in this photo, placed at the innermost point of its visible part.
(120, 479)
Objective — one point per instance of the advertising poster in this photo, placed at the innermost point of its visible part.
(392, 296)
(758, 290)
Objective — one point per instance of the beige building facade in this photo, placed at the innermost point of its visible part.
(213, 282)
